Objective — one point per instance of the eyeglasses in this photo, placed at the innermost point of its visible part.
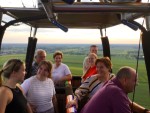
(41, 56)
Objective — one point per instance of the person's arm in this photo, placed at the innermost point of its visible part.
(138, 108)
(5, 98)
(66, 78)
(67, 74)
(74, 102)
(28, 105)
(29, 108)
(25, 86)
(54, 100)
(80, 93)
(83, 90)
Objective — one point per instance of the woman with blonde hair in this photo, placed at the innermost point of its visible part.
(92, 67)
(12, 99)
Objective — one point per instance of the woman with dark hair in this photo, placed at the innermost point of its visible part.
(12, 99)
(61, 72)
(40, 90)
(95, 82)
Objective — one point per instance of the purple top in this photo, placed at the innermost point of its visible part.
(110, 99)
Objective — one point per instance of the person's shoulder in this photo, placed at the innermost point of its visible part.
(19, 86)
(112, 76)
(34, 64)
(30, 79)
(5, 90)
(115, 91)
(6, 94)
(85, 58)
(91, 78)
(112, 86)
(64, 65)
(53, 65)
(49, 79)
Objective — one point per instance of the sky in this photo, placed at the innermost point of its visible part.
(119, 34)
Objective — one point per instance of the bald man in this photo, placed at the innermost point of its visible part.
(112, 98)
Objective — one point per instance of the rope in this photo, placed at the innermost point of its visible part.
(34, 4)
(30, 31)
(137, 65)
(105, 32)
(22, 3)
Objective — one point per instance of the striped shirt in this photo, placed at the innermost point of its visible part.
(39, 93)
(89, 87)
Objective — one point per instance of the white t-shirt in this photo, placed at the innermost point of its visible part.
(59, 72)
(39, 93)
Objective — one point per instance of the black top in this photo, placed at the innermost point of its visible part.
(18, 103)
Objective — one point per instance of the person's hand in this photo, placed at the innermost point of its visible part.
(78, 92)
(148, 111)
(72, 103)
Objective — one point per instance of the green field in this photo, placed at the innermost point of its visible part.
(74, 62)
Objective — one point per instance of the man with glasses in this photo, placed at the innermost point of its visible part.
(39, 56)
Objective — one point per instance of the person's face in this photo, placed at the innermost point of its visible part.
(102, 70)
(91, 59)
(40, 57)
(58, 59)
(20, 75)
(131, 82)
(94, 50)
(43, 71)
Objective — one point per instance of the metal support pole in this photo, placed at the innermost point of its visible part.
(147, 20)
(2, 30)
(1, 15)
